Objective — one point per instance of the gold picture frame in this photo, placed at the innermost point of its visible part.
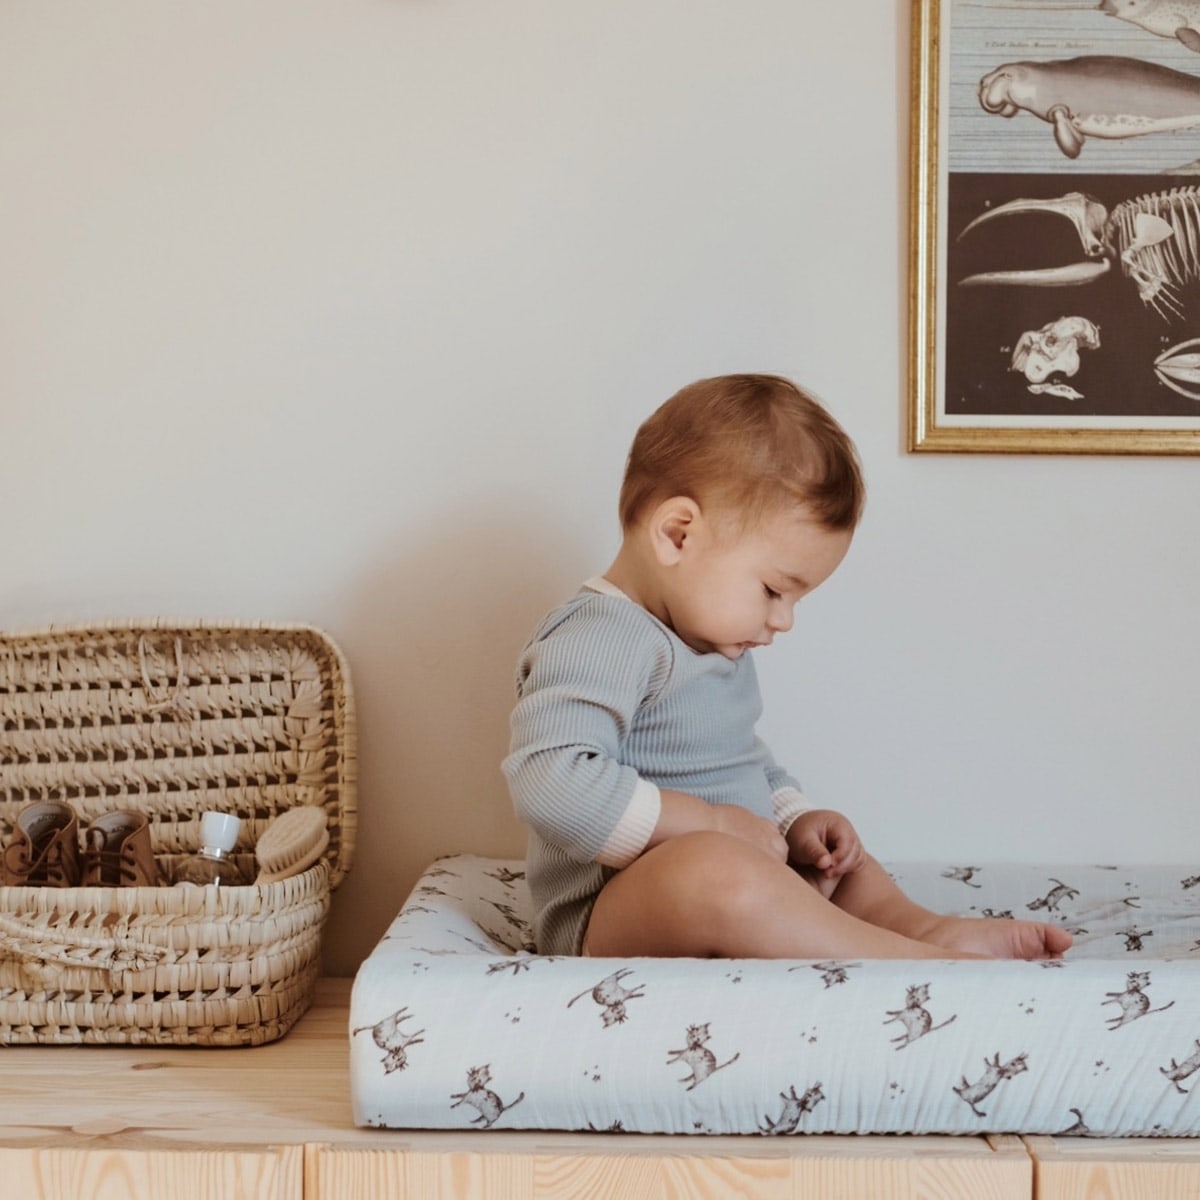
(1082, 332)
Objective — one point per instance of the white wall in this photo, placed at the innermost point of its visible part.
(345, 311)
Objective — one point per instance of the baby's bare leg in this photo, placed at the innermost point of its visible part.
(708, 895)
(871, 895)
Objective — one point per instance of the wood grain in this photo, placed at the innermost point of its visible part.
(1116, 1168)
(659, 1168)
(57, 1173)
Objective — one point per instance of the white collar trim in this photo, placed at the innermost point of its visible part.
(599, 584)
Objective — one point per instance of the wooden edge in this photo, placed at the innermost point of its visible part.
(1068, 1168)
(539, 1144)
(535, 1166)
(1046, 1149)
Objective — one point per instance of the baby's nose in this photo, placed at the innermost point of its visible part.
(782, 618)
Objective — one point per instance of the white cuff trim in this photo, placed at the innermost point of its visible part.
(634, 829)
(789, 803)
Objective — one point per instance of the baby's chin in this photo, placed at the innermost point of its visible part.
(730, 650)
(736, 651)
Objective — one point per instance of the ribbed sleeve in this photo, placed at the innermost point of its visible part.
(580, 685)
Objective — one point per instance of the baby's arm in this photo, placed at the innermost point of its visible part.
(682, 813)
(581, 682)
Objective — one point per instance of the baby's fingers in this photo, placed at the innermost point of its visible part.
(847, 857)
(814, 852)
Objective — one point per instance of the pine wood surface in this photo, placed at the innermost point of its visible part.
(71, 1173)
(275, 1122)
(1116, 1168)
(656, 1168)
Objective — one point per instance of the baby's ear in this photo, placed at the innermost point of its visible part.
(673, 522)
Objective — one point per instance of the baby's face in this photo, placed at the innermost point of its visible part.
(734, 591)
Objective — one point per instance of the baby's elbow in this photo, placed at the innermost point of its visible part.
(533, 787)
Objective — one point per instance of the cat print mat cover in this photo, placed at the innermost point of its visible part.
(455, 1024)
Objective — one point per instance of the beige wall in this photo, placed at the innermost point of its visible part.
(345, 310)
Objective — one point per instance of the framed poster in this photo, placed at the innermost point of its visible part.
(1055, 227)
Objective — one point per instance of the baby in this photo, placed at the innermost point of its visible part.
(660, 824)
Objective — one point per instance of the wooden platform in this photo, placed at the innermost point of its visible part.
(273, 1123)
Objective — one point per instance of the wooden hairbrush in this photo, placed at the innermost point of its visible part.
(292, 842)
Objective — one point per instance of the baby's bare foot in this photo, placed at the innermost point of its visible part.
(1001, 938)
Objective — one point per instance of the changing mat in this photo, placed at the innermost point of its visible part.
(456, 1025)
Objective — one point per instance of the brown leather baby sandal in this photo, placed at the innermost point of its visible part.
(44, 848)
(117, 852)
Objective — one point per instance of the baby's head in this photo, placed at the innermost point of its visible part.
(744, 494)
(745, 447)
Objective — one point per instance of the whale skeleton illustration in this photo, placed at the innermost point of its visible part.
(1101, 95)
(1155, 238)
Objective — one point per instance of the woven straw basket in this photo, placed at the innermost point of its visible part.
(171, 721)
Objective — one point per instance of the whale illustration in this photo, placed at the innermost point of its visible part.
(1166, 18)
(1102, 95)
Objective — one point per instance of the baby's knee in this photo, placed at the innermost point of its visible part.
(714, 872)
(691, 895)
(706, 850)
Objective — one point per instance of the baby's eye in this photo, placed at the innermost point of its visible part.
(772, 594)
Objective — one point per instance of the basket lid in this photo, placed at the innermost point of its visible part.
(174, 719)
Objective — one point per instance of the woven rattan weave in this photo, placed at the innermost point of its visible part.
(171, 720)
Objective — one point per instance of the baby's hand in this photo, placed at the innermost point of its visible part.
(741, 823)
(827, 841)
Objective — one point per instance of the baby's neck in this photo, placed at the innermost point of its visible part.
(635, 572)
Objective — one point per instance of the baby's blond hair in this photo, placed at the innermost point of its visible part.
(745, 445)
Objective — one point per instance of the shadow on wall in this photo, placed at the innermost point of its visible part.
(433, 636)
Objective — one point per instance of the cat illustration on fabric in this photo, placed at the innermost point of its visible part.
(612, 996)
(834, 972)
(506, 875)
(388, 1036)
(914, 1017)
(489, 1108)
(1177, 1072)
(794, 1108)
(963, 875)
(1133, 1001)
(995, 1074)
(1054, 897)
(698, 1057)
(1133, 938)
